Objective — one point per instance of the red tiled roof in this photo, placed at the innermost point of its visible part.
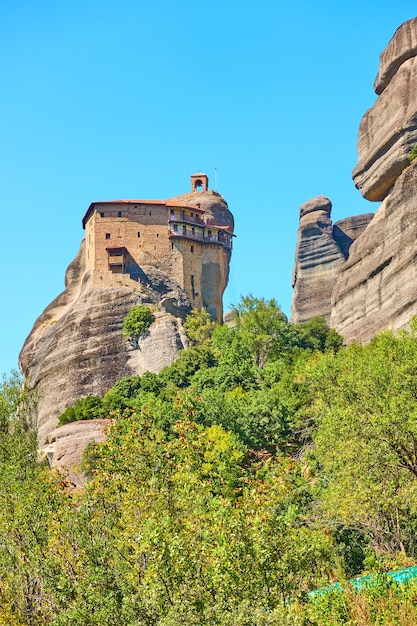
(167, 203)
(128, 202)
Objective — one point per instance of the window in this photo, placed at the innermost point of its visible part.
(192, 248)
(157, 234)
(175, 228)
(101, 214)
(172, 212)
(172, 245)
(119, 214)
(192, 214)
(150, 212)
(138, 234)
(107, 235)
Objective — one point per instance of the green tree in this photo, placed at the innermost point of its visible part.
(199, 326)
(365, 446)
(137, 322)
(261, 325)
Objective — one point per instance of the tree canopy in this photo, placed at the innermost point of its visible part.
(268, 460)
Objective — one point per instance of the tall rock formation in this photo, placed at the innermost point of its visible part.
(387, 131)
(76, 347)
(322, 249)
(376, 287)
(169, 255)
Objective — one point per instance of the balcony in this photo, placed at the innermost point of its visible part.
(187, 219)
(183, 232)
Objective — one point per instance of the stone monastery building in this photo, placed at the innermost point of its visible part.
(189, 238)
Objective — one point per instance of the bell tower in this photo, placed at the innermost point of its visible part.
(199, 182)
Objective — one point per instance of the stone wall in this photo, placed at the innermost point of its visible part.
(142, 230)
(145, 229)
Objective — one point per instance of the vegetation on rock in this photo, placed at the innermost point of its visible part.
(413, 154)
(137, 322)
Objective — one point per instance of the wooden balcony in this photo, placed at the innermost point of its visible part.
(184, 232)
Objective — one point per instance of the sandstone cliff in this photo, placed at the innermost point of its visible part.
(321, 252)
(388, 130)
(76, 347)
(376, 287)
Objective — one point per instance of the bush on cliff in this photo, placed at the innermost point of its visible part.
(413, 154)
(137, 322)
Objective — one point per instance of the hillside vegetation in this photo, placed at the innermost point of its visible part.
(267, 461)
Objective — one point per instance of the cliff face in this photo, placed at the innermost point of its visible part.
(157, 253)
(76, 347)
(322, 249)
(388, 130)
(318, 259)
(375, 288)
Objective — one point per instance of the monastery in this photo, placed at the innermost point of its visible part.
(189, 238)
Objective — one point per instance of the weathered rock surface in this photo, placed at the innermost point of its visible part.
(76, 347)
(377, 287)
(388, 130)
(346, 231)
(402, 46)
(64, 447)
(214, 205)
(317, 261)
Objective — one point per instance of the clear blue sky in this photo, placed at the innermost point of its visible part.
(105, 100)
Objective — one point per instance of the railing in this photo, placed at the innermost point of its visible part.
(187, 219)
(198, 236)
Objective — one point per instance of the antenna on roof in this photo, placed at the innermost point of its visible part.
(215, 179)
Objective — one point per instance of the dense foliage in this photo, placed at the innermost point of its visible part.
(267, 461)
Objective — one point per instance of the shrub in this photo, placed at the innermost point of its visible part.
(137, 322)
(413, 154)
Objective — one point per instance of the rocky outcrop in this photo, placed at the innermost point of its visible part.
(388, 130)
(346, 231)
(215, 206)
(76, 347)
(64, 447)
(321, 251)
(402, 46)
(377, 286)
